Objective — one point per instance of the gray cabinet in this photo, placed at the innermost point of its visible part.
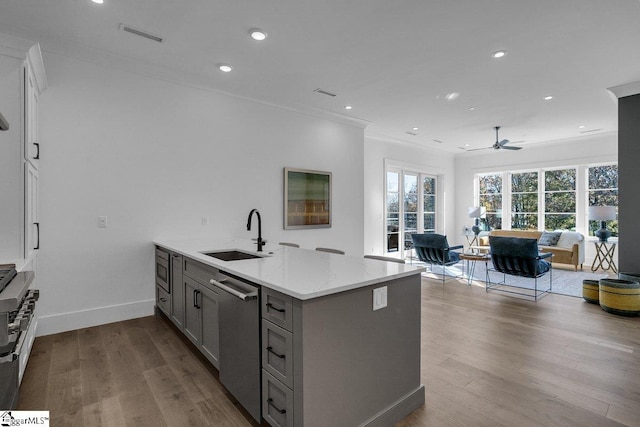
(209, 311)
(201, 309)
(177, 291)
(163, 281)
(278, 358)
(192, 316)
(333, 360)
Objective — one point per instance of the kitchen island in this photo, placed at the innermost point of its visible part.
(337, 337)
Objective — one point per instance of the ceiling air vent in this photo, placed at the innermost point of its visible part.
(438, 141)
(411, 133)
(324, 92)
(589, 131)
(140, 33)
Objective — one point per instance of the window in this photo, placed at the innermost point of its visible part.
(549, 199)
(560, 199)
(410, 205)
(490, 196)
(524, 201)
(603, 191)
(429, 204)
(393, 210)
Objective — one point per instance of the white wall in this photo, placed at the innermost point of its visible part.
(426, 159)
(155, 157)
(585, 150)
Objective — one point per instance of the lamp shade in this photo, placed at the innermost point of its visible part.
(602, 213)
(477, 212)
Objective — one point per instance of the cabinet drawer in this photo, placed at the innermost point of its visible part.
(277, 402)
(163, 300)
(162, 254)
(277, 308)
(277, 352)
(200, 272)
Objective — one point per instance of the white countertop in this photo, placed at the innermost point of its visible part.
(301, 273)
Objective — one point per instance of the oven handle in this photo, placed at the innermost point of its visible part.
(243, 296)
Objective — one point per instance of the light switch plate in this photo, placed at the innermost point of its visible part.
(102, 222)
(379, 298)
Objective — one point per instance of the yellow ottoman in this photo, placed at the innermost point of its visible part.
(620, 297)
(591, 291)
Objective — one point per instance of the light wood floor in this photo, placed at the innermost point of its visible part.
(487, 360)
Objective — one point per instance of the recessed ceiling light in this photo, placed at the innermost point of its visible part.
(466, 145)
(451, 96)
(582, 126)
(471, 108)
(257, 34)
(348, 107)
(498, 53)
(548, 98)
(98, 1)
(225, 68)
(414, 128)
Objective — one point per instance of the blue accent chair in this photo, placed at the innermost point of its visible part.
(434, 249)
(517, 256)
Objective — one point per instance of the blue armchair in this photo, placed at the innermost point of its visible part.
(434, 249)
(517, 256)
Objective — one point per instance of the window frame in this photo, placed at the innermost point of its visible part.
(581, 193)
(421, 173)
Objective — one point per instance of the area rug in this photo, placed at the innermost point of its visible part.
(564, 281)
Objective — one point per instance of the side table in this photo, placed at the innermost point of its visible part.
(604, 257)
(471, 260)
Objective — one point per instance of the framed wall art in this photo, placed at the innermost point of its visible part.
(307, 199)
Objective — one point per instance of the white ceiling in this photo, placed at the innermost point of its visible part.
(393, 61)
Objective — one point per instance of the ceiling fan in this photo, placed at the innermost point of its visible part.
(503, 144)
(498, 145)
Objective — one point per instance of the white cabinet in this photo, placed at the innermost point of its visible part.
(22, 79)
(32, 221)
(32, 130)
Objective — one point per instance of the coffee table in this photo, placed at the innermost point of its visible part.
(471, 260)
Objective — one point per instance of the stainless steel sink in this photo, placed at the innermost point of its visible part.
(232, 255)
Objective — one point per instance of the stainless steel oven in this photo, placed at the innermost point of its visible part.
(162, 269)
(18, 322)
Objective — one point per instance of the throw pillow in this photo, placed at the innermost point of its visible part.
(549, 238)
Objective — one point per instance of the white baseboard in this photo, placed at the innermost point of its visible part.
(55, 323)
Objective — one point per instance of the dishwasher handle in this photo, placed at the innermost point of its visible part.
(243, 295)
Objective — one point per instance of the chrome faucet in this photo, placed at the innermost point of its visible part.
(259, 241)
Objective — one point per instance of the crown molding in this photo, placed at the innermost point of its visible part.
(627, 89)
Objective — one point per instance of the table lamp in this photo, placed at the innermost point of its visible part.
(602, 214)
(477, 212)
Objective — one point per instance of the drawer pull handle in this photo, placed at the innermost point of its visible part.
(270, 350)
(271, 306)
(163, 299)
(270, 402)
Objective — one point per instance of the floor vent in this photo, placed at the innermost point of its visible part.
(324, 92)
(140, 33)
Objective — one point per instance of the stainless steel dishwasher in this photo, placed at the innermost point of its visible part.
(239, 334)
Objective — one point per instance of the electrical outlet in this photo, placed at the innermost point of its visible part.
(379, 298)
(102, 222)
